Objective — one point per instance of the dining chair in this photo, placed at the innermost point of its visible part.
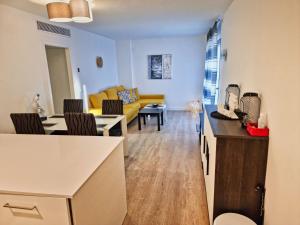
(113, 107)
(27, 123)
(81, 124)
(73, 106)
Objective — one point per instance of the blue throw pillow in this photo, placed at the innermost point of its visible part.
(125, 96)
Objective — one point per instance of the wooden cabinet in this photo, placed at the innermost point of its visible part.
(234, 166)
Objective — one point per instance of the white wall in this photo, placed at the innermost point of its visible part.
(24, 70)
(263, 42)
(188, 56)
(125, 63)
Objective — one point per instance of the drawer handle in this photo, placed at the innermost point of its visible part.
(207, 159)
(7, 205)
(204, 144)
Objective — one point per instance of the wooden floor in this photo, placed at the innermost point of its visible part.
(165, 185)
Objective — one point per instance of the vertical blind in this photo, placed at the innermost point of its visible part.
(212, 64)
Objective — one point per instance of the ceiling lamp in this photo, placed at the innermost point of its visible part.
(59, 12)
(81, 11)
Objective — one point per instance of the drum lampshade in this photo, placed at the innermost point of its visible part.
(59, 12)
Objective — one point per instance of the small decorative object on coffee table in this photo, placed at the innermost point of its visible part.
(158, 112)
(161, 106)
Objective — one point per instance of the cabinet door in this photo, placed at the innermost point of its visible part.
(241, 167)
(209, 166)
(102, 199)
(29, 210)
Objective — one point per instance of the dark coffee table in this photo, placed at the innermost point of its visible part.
(158, 112)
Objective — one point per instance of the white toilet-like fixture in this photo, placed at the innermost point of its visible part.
(233, 219)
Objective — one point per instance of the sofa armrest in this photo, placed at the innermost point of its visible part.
(152, 96)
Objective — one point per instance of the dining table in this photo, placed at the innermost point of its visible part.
(103, 122)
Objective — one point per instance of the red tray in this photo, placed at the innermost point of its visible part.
(258, 132)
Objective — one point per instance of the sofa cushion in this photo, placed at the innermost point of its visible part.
(145, 102)
(125, 96)
(128, 111)
(96, 99)
(112, 93)
(134, 105)
(96, 111)
(137, 93)
(131, 116)
(134, 95)
(120, 88)
(131, 110)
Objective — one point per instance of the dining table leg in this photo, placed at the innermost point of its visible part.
(124, 134)
(106, 132)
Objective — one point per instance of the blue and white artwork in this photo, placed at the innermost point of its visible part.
(160, 66)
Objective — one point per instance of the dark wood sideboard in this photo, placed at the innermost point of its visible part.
(234, 165)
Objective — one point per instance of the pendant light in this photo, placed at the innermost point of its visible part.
(81, 11)
(59, 11)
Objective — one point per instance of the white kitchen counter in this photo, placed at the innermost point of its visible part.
(50, 165)
(59, 166)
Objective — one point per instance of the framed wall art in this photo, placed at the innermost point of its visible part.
(160, 67)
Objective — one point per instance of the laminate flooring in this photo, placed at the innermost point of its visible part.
(165, 183)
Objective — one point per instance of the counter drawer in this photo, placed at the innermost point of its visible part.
(31, 210)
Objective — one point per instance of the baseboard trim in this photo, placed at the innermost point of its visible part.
(177, 109)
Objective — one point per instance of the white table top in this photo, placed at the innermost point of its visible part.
(50, 165)
(60, 123)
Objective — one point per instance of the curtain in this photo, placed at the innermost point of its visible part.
(212, 65)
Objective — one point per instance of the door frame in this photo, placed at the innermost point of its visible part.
(69, 71)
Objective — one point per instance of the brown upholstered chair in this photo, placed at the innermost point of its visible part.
(73, 106)
(113, 107)
(81, 124)
(27, 123)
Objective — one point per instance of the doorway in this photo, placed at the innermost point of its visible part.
(60, 76)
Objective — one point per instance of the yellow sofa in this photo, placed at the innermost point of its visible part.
(130, 110)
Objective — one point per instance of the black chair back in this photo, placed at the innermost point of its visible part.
(81, 124)
(27, 123)
(73, 106)
(113, 107)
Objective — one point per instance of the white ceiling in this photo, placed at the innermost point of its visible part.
(133, 19)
